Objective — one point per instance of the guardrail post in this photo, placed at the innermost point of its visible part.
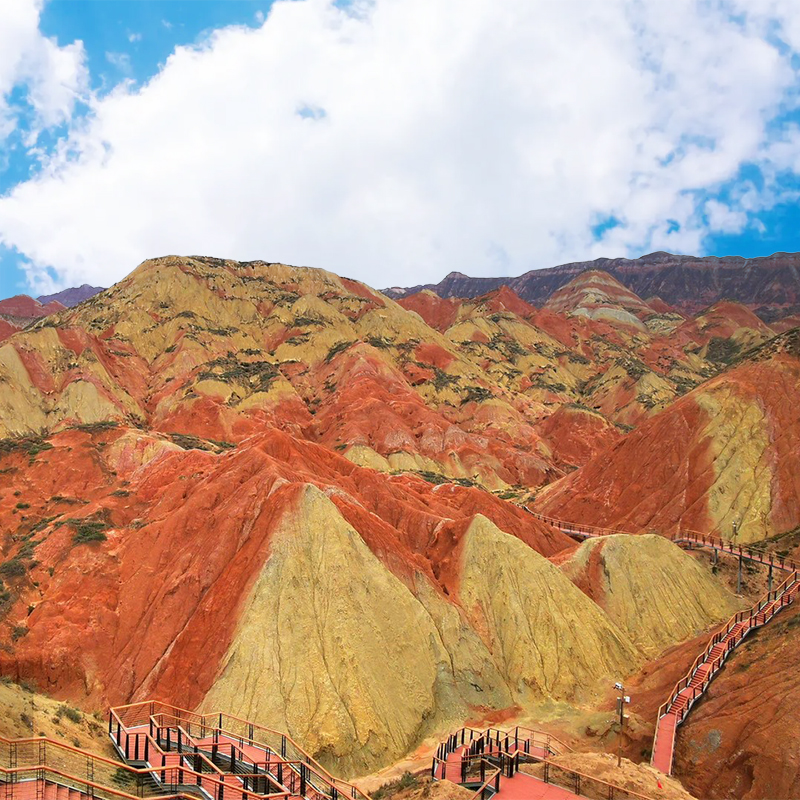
(739, 578)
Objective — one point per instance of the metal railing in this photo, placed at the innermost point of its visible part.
(681, 535)
(226, 730)
(44, 774)
(719, 647)
(503, 752)
(749, 619)
(584, 785)
(187, 765)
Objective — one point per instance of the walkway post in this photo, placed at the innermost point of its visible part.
(622, 701)
(733, 539)
(739, 577)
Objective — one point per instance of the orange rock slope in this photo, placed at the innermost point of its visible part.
(268, 489)
(724, 455)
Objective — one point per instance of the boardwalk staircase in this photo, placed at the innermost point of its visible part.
(488, 762)
(692, 686)
(46, 769)
(219, 756)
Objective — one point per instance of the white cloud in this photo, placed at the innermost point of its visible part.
(55, 77)
(122, 61)
(442, 135)
(134, 37)
(723, 218)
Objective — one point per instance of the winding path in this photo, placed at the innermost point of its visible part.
(692, 686)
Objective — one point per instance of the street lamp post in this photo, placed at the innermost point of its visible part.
(622, 701)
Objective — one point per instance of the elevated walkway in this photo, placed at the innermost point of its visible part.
(488, 761)
(219, 756)
(692, 686)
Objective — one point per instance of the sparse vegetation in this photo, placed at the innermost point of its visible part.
(88, 530)
(476, 394)
(97, 427)
(722, 351)
(72, 714)
(32, 445)
(339, 347)
(431, 477)
(17, 632)
(405, 781)
(254, 375)
(13, 568)
(189, 442)
(442, 379)
(123, 778)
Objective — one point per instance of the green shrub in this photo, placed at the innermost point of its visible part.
(13, 568)
(88, 530)
(17, 632)
(442, 379)
(70, 713)
(97, 427)
(339, 347)
(722, 351)
(432, 477)
(476, 394)
(405, 781)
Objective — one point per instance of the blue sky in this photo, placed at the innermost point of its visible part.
(124, 39)
(392, 141)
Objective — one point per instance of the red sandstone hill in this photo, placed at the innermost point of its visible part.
(725, 453)
(269, 489)
(770, 285)
(24, 307)
(7, 329)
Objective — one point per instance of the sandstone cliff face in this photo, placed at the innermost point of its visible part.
(689, 283)
(549, 640)
(650, 588)
(721, 455)
(269, 488)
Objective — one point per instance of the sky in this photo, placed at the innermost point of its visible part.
(393, 141)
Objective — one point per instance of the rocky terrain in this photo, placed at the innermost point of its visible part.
(321, 490)
(724, 455)
(18, 312)
(769, 285)
(73, 296)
